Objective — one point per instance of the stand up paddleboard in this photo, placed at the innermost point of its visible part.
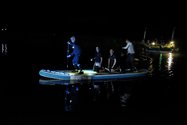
(89, 75)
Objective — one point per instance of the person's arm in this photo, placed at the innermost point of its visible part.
(71, 54)
(92, 59)
(101, 60)
(114, 63)
(108, 62)
(126, 46)
(70, 43)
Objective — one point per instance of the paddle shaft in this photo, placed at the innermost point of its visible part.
(67, 66)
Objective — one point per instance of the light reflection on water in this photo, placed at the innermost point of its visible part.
(170, 61)
(163, 65)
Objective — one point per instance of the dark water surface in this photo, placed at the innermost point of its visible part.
(158, 98)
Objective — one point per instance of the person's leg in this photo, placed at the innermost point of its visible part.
(74, 61)
(96, 68)
(77, 63)
(128, 61)
(122, 64)
(133, 68)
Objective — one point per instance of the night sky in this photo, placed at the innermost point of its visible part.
(127, 20)
(95, 19)
(40, 32)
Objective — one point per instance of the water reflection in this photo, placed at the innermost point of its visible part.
(160, 62)
(70, 92)
(170, 61)
(109, 95)
(163, 65)
(96, 96)
(124, 98)
(4, 48)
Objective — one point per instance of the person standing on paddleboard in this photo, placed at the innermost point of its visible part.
(130, 55)
(76, 55)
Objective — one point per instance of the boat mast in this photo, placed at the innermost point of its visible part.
(144, 34)
(173, 33)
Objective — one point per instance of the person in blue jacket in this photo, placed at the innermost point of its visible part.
(76, 55)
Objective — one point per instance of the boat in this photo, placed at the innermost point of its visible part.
(89, 75)
(159, 51)
(160, 46)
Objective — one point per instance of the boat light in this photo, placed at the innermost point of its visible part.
(153, 43)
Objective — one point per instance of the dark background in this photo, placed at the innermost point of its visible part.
(37, 36)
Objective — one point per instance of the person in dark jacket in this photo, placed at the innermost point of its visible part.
(76, 55)
(98, 59)
(111, 61)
